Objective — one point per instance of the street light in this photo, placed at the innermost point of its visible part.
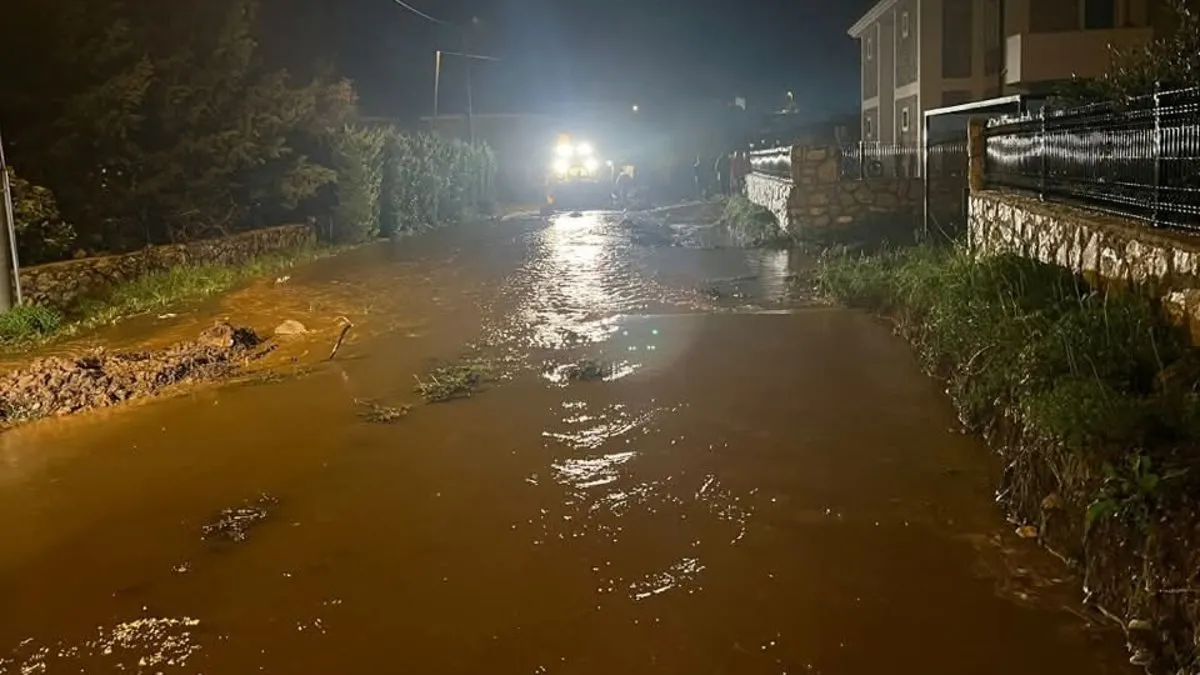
(437, 83)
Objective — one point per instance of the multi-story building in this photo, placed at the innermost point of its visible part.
(918, 55)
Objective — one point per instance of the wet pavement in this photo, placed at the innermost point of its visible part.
(755, 484)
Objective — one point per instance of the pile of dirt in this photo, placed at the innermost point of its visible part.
(60, 386)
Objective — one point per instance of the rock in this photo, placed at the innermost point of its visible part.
(1052, 502)
(1027, 532)
(290, 327)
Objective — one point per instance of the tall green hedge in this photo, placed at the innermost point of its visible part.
(390, 182)
(358, 159)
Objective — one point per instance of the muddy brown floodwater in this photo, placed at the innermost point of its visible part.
(758, 485)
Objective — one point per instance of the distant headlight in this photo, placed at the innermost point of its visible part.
(564, 150)
(591, 164)
(561, 166)
(584, 150)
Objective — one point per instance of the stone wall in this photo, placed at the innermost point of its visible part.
(1102, 248)
(58, 285)
(816, 197)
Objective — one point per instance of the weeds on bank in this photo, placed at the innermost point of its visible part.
(1104, 375)
(454, 381)
(29, 325)
(753, 226)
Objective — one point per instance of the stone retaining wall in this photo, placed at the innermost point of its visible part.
(58, 285)
(1102, 248)
(816, 197)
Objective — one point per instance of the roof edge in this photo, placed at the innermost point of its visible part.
(870, 17)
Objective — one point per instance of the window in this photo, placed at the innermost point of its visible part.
(904, 118)
(1099, 14)
(870, 48)
(904, 25)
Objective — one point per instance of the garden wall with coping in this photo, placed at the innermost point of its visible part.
(1104, 249)
(59, 285)
(815, 195)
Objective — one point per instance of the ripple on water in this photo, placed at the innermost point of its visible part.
(682, 575)
(146, 645)
(593, 431)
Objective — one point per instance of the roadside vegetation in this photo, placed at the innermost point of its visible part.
(753, 226)
(1089, 395)
(29, 325)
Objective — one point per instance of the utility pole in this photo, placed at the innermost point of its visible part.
(437, 82)
(10, 275)
(470, 102)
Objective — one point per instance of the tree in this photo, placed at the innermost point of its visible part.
(42, 236)
(1170, 61)
(156, 121)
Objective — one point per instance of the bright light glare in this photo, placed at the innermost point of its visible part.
(564, 150)
(561, 166)
(584, 150)
(591, 164)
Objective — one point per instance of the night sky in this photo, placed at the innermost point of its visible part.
(555, 52)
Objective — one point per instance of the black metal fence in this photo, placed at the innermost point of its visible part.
(773, 161)
(1140, 158)
(872, 159)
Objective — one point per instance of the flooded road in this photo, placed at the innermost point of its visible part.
(756, 485)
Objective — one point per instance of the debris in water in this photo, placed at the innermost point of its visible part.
(234, 524)
(376, 413)
(346, 326)
(588, 370)
(450, 382)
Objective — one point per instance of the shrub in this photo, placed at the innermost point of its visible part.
(752, 225)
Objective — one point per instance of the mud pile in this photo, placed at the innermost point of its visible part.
(59, 386)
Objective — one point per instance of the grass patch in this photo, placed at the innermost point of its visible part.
(28, 322)
(1102, 375)
(29, 326)
(753, 226)
(1020, 339)
(455, 381)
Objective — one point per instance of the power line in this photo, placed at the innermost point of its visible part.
(421, 14)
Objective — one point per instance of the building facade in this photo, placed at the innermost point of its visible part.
(918, 55)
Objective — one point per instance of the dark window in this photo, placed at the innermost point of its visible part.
(1099, 14)
(1049, 16)
(957, 28)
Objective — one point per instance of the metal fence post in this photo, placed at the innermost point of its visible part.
(10, 266)
(862, 159)
(1158, 152)
(1042, 155)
